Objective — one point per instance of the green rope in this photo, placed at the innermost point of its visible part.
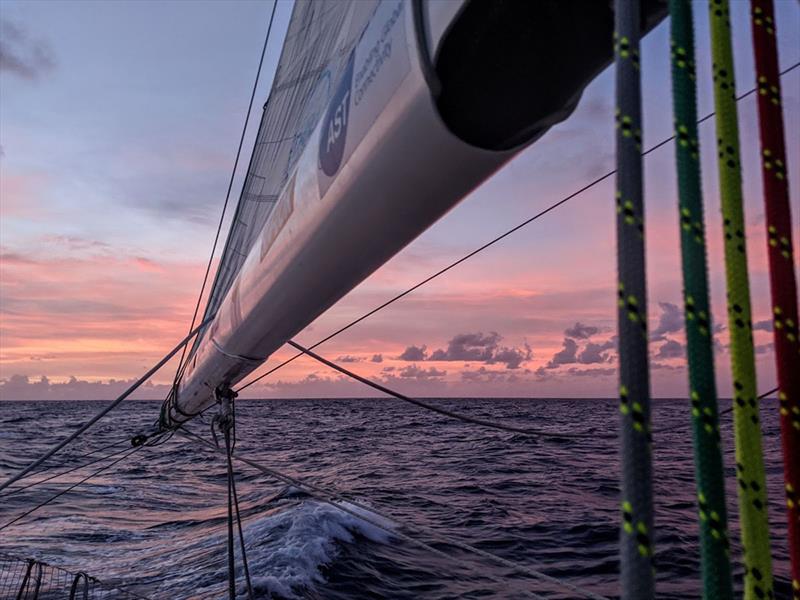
(709, 469)
(636, 548)
(749, 458)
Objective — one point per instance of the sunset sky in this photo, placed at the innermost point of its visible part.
(118, 128)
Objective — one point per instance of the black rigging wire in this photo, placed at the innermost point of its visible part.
(485, 246)
(230, 186)
(543, 433)
(722, 412)
(442, 411)
(233, 503)
(68, 471)
(73, 486)
(75, 434)
(70, 459)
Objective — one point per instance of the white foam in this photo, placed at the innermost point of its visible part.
(289, 547)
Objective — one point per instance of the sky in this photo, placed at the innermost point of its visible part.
(118, 130)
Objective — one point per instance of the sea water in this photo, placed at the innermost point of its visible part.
(156, 523)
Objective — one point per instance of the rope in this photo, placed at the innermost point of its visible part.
(72, 487)
(747, 431)
(70, 459)
(106, 410)
(335, 499)
(481, 422)
(485, 246)
(231, 555)
(636, 548)
(473, 420)
(67, 472)
(781, 262)
(75, 582)
(436, 409)
(26, 580)
(226, 421)
(181, 365)
(242, 548)
(708, 463)
(721, 413)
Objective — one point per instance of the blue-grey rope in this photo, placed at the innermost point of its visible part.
(636, 544)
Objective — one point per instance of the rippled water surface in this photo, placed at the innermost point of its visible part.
(156, 522)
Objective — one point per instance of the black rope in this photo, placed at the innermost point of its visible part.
(231, 557)
(70, 438)
(72, 487)
(75, 581)
(70, 459)
(226, 422)
(26, 581)
(484, 247)
(181, 365)
(473, 420)
(443, 411)
(722, 412)
(68, 471)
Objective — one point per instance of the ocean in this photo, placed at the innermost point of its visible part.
(156, 523)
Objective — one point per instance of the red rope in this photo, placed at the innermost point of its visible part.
(781, 263)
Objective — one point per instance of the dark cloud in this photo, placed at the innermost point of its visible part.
(482, 348)
(21, 387)
(484, 375)
(658, 366)
(763, 325)
(596, 353)
(579, 331)
(593, 372)
(414, 353)
(764, 348)
(671, 349)
(348, 359)
(512, 357)
(670, 321)
(420, 374)
(376, 358)
(565, 356)
(22, 56)
(469, 346)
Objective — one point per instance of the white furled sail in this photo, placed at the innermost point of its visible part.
(318, 42)
(383, 115)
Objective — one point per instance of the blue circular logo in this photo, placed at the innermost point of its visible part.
(334, 127)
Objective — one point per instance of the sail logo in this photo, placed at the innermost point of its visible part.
(334, 128)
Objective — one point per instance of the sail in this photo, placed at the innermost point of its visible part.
(319, 39)
(381, 118)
